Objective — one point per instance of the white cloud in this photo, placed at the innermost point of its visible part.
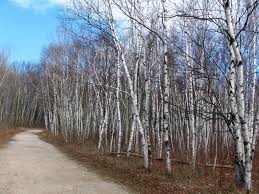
(39, 4)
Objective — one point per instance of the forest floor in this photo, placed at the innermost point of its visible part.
(29, 165)
(130, 172)
(6, 133)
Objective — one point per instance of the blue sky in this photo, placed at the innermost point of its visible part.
(26, 26)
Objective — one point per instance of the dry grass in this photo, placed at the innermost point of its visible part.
(131, 173)
(6, 133)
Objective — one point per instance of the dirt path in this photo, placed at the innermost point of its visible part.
(29, 165)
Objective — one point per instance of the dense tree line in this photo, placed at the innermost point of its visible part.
(157, 78)
(20, 103)
(173, 81)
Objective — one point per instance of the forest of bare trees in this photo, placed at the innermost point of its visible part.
(155, 78)
(20, 102)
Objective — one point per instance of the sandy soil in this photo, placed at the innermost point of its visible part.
(29, 165)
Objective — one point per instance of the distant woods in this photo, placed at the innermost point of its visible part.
(20, 102)
(151, 78)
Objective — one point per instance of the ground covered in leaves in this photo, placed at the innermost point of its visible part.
(6, 133)
(131, 173)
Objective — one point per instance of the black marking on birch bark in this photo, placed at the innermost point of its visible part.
(232, 40)
(226, 3)
(246, 143)
(242, 121)
(166, 144)
(233, 117)
(149, 152)
(240, 63)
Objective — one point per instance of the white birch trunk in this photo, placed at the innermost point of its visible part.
(167, 158)
(240, 100)
(133, 95)
(118, 108)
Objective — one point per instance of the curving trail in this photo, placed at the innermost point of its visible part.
(29, 165)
